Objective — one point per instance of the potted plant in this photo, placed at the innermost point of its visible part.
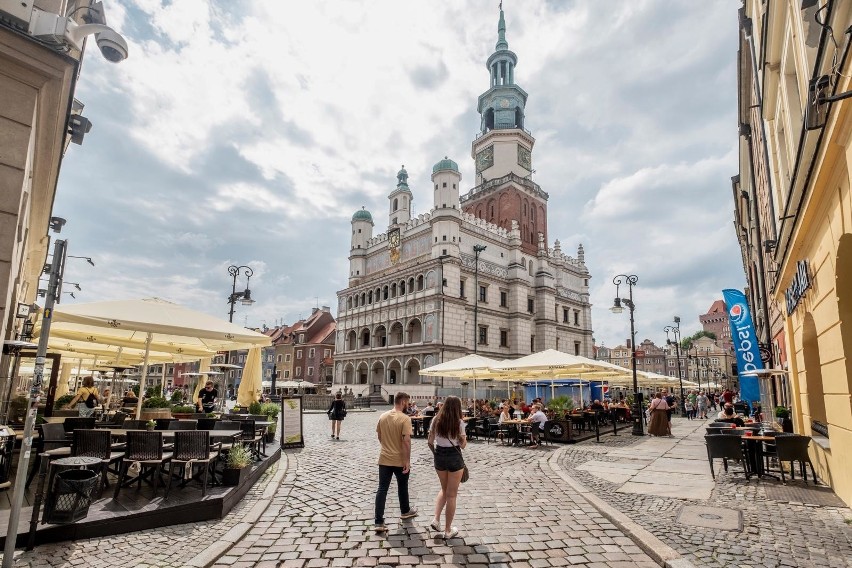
(782, 412)
(236, 466)
(183, 411)
(560, 405)
(156, 407)
(270, 432)
(150, 425)
(255, 408)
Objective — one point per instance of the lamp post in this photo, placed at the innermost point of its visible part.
(675, 330)
(616, 308)
(476, 250)
(245, 296)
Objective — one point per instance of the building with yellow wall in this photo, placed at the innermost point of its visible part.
(794, 211)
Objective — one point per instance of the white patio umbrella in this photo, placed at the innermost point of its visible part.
(151, 324)
(64, 377)
(471, 366)
(251, 384)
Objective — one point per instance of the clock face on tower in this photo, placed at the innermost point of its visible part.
(485, 159)
(524, 157)
(504, 103)
(393, 238)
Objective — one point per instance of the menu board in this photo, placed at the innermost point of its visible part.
(291, 422)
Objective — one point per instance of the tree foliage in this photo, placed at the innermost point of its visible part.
(686, 342)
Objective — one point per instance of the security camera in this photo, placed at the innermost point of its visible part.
(112, 45)
(53, 28)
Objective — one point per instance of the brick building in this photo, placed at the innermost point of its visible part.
(304, 351)
(716, 321)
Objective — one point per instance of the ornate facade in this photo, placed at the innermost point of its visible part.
(475, 273)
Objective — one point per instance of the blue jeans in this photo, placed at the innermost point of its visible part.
(386, 473)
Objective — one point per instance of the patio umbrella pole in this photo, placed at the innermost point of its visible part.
(53, 291)
(144, 374)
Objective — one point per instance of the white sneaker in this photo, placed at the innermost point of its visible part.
(453, 532)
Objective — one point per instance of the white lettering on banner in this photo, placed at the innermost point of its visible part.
(801, 283)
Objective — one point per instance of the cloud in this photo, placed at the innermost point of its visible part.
(248, 133)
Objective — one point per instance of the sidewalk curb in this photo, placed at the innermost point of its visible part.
(662, 553)
(215, 551)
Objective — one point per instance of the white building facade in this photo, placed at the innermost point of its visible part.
(474, 274)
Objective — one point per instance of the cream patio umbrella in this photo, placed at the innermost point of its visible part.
(64, 377)
(471, 366)
(251, 384)
(151, 324)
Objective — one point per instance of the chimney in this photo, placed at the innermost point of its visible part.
(314, 310)
(629, 344)
(326, 309)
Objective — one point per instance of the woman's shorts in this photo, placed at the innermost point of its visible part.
(448, 459)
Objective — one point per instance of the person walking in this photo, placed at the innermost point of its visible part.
(394, 433)
(703, 402)
(336, 413)
(658, 425)
(447, 440)
(86, 398)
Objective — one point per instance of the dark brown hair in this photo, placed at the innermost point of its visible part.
(447, 420)
(400, 396)
(338, 396)
(88, 382)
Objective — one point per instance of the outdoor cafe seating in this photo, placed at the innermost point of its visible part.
(146, 450)
(193, 448)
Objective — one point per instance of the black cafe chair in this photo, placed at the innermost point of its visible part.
(794, 448)
(726, 448)
(147, 449)
(78, 423)
(192, 447)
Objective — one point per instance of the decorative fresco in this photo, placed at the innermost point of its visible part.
(410, 248)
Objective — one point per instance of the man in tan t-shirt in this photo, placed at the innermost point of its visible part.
(394, 432)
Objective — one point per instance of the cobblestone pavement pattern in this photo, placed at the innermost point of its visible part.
(512, 512)
(774, 533)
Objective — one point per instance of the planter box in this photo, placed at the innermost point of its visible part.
(270, 437)
(183, 415)
(234, 477)
(154, 413)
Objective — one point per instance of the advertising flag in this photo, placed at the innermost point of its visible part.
(745, 343)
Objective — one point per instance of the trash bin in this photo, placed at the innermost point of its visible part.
(70, 496)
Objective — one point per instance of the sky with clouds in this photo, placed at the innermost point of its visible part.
(248, 132)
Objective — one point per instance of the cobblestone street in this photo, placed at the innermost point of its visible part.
(517, 510)
(774, 533)
(513, 511)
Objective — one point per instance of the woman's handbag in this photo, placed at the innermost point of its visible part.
(465, 471)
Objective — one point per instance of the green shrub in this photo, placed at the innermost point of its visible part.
(561, 404)
(157, 402)
(183, 409)
(154, 392)
(238, 457)
(62, 401)
(177, 396)
(255, 408)
(135, 389)
(782, 412)
(270, 409)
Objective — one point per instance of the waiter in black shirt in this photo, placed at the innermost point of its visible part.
(208, 397)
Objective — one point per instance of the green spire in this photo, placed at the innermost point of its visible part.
(501, 32)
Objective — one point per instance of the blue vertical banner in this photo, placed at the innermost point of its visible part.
(745, 343)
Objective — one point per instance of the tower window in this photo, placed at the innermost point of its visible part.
(395, 204)
(445, 184)
(436, 186)
(454, 186)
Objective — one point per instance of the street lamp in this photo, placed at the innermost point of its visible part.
(245, 296)
(616, 308)
(86, 258)
(675, 330)
(476, 250)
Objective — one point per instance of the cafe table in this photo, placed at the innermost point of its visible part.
(518, 426)
(754, 451)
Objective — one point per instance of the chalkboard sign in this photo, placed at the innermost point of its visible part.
(291, 422)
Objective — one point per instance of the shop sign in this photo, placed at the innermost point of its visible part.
(801, 283)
